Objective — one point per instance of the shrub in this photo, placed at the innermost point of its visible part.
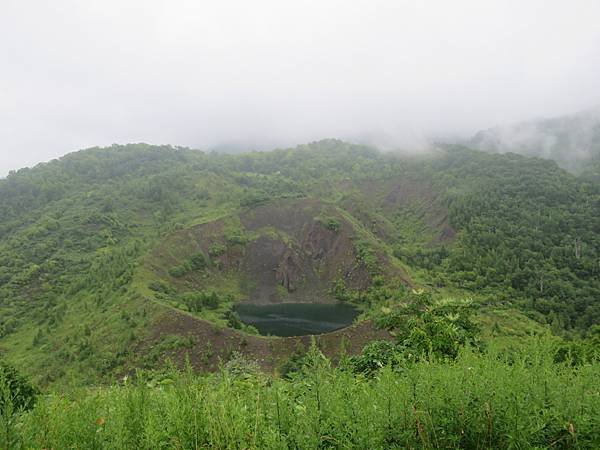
(239, 366)
(16, 392)
(331, 223)
(159, 286)
(253, 199)
(375, 356)
(198, 261)
(237, 239)
(339, 291)
(365, 253)
(233, 320)
(425, 326)
(217, 249)
(178, 271)
(212, 301)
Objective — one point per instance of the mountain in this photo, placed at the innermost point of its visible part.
(113, 258)
(572, 141)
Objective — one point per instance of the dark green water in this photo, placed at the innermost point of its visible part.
(296, 319)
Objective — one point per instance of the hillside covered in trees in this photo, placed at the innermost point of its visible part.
(96, 245)
(129, 263)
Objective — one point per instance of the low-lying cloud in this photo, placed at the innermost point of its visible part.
(271, 73)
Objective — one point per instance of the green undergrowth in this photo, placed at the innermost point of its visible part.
(495, 400)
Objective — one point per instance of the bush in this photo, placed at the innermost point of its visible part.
(159, 286)
(233, 320)
(294, 364)
(16, 392)
(196, 301)
(251, 199)
(331, 223)
(365, 254)
(428, 327)
(340, 292)
(198, 261)
(217, 249)
(237, 239)
(375, 356)
(239, 366)
(212, 301)
(178, 271)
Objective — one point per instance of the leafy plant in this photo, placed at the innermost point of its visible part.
(16, 392)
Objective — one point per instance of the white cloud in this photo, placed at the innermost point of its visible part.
(198, 73)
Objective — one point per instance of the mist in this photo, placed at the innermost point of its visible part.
(265, 74)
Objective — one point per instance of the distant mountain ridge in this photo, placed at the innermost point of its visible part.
(573, 141)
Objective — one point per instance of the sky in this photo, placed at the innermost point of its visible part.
(267, 73)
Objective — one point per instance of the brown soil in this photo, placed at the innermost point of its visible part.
(311, 259)
(293, 255)
(213, 345)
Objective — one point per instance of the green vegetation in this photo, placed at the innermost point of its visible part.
(198, 261)
(427, 327)
(217, 249)
(74, 234)
(366, 255)
(331, 223)
(106, 253)
(530, 234)
(499, 400)
(16, 392)
(195, 301)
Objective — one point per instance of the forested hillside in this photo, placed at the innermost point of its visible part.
(412, 283)
(96, 246)
(573, 141)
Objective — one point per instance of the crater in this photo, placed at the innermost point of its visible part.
(297, 319)
(275, 264)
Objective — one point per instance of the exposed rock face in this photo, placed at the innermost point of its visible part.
(268, 263)
(288, 273)
(319, 241)
(289, 252)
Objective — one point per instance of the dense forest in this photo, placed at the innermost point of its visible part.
(483, 269)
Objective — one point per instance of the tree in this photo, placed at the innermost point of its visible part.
(425, 326)
(16, 392)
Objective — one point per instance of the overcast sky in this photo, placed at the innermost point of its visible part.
(80, 73)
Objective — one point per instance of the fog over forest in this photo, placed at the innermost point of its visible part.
(309, 224)
(235, 75)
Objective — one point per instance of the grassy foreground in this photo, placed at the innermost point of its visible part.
(500, 400)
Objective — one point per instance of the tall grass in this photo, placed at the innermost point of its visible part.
(496, 401)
